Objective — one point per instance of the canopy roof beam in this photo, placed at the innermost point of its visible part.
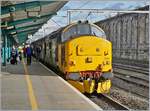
(30, 19)
(25, 27)
(23, 6)
(28, 31)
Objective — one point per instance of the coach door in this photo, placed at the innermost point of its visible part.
(63, 56)
(44, 50)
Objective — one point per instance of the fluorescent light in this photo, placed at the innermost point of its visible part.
(33, 14)
(5, 15)
(10, 27)
(13, 33)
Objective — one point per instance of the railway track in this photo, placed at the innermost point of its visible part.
(103, 100)
(132, 74)
(143, 64)
(137, 93)
(106, 102)
(132, 68)
(136, 78)
(131, 79)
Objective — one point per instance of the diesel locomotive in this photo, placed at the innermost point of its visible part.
(79, 50)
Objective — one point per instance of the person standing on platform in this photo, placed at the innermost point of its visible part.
(13, 57)
(24, 52)
(14, 54)
(29, 54)
(20, 53)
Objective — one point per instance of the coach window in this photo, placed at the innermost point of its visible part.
(97, 32)
(50, 45)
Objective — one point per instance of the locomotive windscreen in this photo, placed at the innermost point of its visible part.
(82, 29)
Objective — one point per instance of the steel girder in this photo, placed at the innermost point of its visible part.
(29, 19)
(25, 27)
(23, 6)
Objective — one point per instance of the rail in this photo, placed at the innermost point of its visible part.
(102, 99)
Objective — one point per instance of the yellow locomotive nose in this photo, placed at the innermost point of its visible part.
(86, 53)
(87, 59)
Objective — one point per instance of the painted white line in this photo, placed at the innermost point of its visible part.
(74, 89)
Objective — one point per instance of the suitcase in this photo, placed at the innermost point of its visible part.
(12, 61)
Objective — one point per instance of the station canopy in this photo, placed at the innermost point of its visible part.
(22, 18)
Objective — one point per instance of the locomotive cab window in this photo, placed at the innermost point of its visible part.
(97, 32)
(82, 29)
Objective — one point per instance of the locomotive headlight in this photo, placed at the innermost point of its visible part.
(105, 53)
(103, 63)
(72, 63)
(106, 63)
(97, 50)
(81, 49)
(88, 60)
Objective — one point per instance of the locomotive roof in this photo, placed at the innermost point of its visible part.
(60, 30)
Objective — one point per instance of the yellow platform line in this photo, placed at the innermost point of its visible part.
(32, 97)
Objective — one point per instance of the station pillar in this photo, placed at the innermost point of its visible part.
(4, 48)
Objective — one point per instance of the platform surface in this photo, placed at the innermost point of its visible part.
(35, 87)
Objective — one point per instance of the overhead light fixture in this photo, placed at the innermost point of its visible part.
(34, 12)
(5, 15)
(10, 27)
(12, 33)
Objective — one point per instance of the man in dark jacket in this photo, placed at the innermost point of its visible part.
(29, 54)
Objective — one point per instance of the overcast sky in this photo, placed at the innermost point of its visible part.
(60, 19)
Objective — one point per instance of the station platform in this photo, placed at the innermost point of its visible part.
(35, 87)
